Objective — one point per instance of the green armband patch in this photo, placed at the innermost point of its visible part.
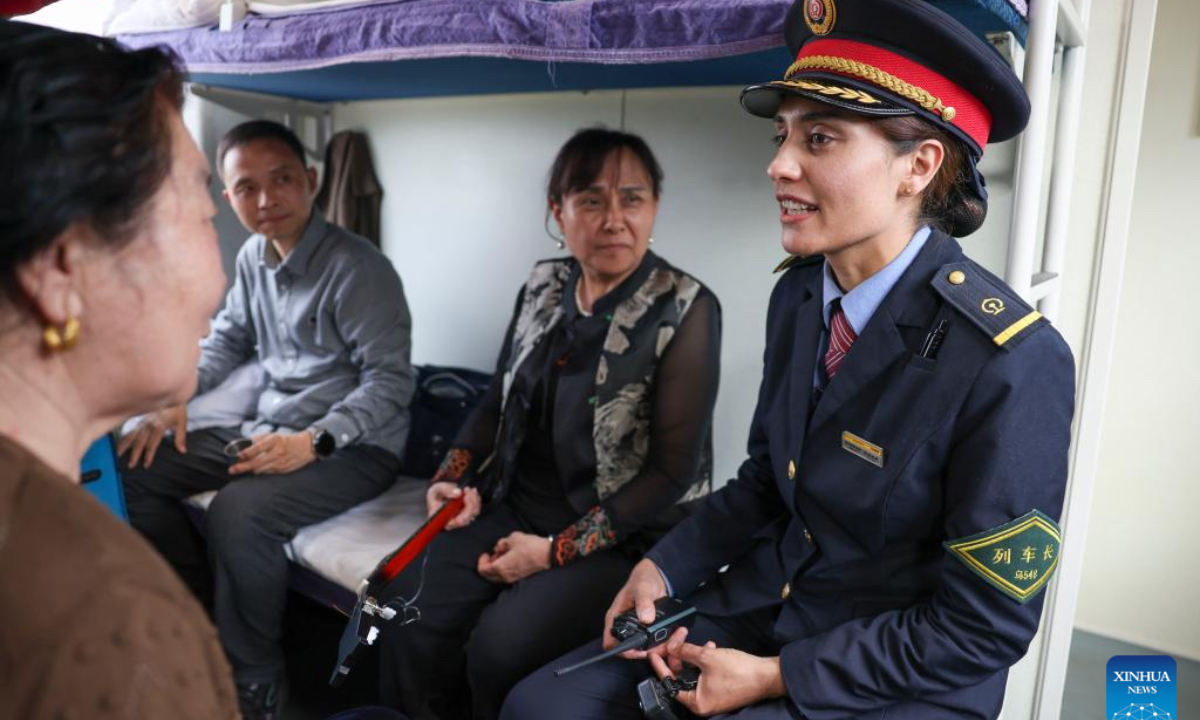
(1016, 558)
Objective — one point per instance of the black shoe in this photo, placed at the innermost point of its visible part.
(261, 701)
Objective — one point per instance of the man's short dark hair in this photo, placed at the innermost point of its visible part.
(253, 130)
(85, 136)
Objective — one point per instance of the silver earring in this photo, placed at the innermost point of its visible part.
(651, 239)
(558, 241)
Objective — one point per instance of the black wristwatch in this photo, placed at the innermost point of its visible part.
(323, 443)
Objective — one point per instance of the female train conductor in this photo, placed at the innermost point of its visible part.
(889, 535)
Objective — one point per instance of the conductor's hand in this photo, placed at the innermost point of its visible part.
(275, 454)
(729, 679)
(440, 493)
(644, 586)
(142, 442)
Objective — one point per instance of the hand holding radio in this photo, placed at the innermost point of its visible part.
(644, 587)
(709, 680)
(630, 633)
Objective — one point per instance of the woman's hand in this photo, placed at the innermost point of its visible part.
(644, 586)
(276, 454)
(729, 679)
(143, 441)
(515, 558)
(440, 493)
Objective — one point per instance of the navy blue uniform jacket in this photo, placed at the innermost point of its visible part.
(876, 617)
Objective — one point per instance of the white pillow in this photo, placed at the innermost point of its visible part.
(144, 16)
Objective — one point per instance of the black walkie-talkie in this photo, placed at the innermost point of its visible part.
(669, 614)
(657, 697)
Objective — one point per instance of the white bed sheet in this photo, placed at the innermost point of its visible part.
(347, 547)
(148, 16)
(271, 8)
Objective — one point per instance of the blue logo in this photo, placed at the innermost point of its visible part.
(1141, 687)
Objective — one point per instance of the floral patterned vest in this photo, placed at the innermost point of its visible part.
(640, 331)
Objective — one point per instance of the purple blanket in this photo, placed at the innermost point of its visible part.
(591, 31)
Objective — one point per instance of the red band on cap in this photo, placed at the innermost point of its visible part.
(916, 83)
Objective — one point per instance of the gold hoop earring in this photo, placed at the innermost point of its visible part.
(58, 340)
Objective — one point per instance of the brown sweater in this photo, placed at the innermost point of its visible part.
(93, 623)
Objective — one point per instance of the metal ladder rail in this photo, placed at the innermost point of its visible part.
(1044, 20)
(1047, 284)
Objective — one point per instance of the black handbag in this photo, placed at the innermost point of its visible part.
(445, 397)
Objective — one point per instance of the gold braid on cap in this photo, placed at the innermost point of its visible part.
(842, 92)
(873, 75)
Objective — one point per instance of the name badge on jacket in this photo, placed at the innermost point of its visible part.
(868, 451)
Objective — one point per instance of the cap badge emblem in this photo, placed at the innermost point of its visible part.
(820, 16)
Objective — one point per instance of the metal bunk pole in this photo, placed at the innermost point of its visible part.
(1031, 157)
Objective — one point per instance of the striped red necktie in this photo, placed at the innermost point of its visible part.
(841, 337)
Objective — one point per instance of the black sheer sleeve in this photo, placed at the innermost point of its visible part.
(685, 391)
(477, 437)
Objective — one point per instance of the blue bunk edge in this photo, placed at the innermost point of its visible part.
(490, 67)
(485, 76)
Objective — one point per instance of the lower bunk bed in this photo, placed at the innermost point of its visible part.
(329, 560)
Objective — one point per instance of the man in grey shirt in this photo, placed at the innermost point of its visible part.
(323, 312)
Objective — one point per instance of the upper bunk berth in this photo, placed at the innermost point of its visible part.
(342, 50)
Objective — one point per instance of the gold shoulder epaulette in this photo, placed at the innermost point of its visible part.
(792, 261)
(988, 302)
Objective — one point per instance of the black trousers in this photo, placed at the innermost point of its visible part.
(246, 527)
(475, 639)
(608, 690)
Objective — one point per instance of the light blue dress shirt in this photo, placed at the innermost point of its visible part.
(861, 303)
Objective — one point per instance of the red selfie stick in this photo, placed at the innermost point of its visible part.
(395, 563)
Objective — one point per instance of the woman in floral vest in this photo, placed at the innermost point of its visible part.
(593, 436)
